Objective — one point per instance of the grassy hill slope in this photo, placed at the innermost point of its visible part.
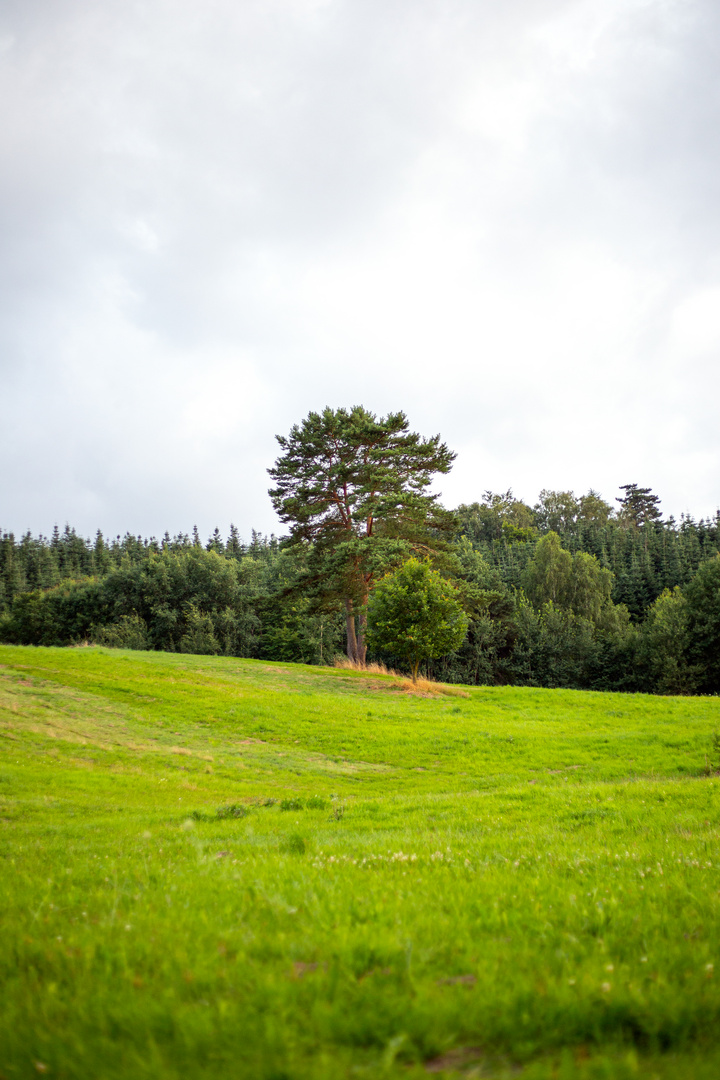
(218, 867)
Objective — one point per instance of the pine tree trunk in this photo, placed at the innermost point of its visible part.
(362, 627)
(352, 645)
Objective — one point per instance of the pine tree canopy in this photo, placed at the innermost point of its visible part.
(638, 506)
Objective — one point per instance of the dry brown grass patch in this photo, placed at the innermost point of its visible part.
(375, 668)
(421, 688)
(428, 688)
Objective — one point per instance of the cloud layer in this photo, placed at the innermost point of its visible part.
(502, 219)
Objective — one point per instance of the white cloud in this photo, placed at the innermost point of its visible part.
(501, 218)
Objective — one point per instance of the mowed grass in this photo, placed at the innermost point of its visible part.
(214, 867)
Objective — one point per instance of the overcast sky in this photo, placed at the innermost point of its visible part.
(503, 219)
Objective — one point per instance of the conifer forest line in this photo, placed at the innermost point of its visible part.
(569, 592)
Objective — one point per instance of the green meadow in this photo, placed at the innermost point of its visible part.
(231, 868)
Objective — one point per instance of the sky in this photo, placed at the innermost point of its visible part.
(502, 219)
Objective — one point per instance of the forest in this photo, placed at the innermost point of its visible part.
(570, 592)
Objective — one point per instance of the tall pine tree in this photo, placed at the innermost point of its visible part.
(356, 487)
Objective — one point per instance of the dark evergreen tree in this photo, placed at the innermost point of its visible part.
(234, 547)
(216, 543)
(638, 506)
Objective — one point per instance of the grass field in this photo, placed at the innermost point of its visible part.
(224, 868)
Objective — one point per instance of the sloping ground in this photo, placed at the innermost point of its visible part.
(215, 867)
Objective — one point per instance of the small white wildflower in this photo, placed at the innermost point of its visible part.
(609, 967)
(605, 987)
(709, 967)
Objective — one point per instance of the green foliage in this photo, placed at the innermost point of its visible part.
(570, 633)
(548, 577)
(557, 510)
(498, 516)
(129, 632)
(564, 513)
(703, 620)
(293, 628)
(199, 637)
(414, 614)
(575, 583)
(516, 534)
(62, 615)
(593, 509)
(554, 646)
(665, 639)
(187, 601)
(483, 656)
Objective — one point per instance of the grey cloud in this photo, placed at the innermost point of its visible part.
(484, 214)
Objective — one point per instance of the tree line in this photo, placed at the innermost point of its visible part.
(571, 591)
